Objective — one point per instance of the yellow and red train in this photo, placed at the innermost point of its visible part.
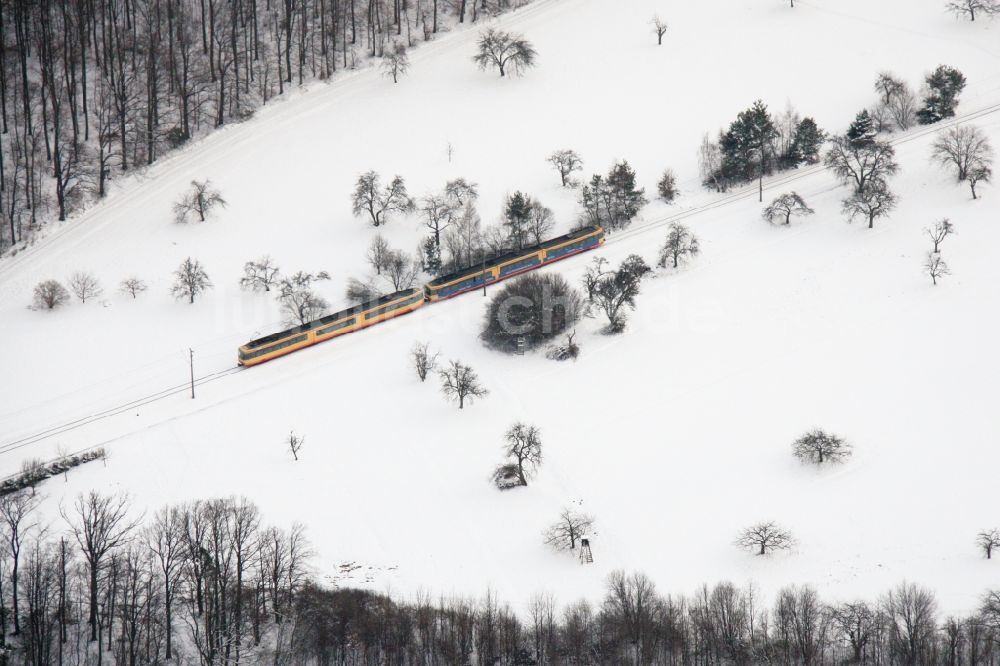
(402, 302)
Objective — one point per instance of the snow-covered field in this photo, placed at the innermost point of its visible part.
(674, 435)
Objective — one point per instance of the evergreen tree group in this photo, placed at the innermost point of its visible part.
(751, 147)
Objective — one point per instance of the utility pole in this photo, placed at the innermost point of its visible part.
(191, 364)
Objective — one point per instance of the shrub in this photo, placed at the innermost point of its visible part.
(535, 308)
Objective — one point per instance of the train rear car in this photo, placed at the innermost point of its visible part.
(331, 326)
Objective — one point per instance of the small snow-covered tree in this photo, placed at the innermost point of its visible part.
(613, 201)
(616, 291)
(132, 286)
(378, 253)
(887, 85)
(784, 207)
(764, 538)
(872, 202)
(818, 447)
(359, 291)
(400, 270)
(941, 230)
(565, 533)
(85, 285)
(295, 443)
(659, 27)
(667, 186)
(979, 174)
(424, 362)
(190, 280)
(461, 383)
(531, 309)
(260, 275)
(962, 148)
(523, 449)
(679, 245)
(298, 300)
(395, 62)
(987, 540)
(969, 8)
(593, 274)
(504, 50)
(200, 199)
(936, 267)
(49, 295)
(540, 222)
(565, 162)
(378, 202)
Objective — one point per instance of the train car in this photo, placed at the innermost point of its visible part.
(346, 321)
(513, 263)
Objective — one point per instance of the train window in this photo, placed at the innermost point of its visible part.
(326, 330)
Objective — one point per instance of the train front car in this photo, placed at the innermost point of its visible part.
(352, 319)
(513, 263)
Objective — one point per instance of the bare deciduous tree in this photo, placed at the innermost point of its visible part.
(424, 362)
(979, 174)
(872, 202)
(295, 443)
(969, 8)
(503, 50)
(395, 63)
(85, 285)
(132, 286)
(260, 275)
(358, 291)
(190, 280)
(763, 538)
(941, 230)
(400, 270)
(165, 539)
(910, 615)
(16, 511)
(987, 540)
(616, 290)
(659, 27)
(101, 525)
(965, 148)
(858, 163)
(460, 382)
(565, 162)
(784, 207)
(298, 300)
(568, 530)
(377, 202)
(524, 451)
(818, 447)
(679, 245)
(378, 251)
(857, 622)
(49, 295)
(936, 267)
(200, 199)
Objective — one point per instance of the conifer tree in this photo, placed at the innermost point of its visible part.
(807, 142)
(516, 216)
(944, 86)
(862, 132)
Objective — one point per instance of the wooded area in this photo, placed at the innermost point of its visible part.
(91, 88)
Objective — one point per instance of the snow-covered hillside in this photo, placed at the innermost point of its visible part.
(674, 435)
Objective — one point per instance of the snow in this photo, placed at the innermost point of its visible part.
(674, 435)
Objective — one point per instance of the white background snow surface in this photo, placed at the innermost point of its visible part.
(674, 435)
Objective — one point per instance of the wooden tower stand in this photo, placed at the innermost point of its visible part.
(586, 557)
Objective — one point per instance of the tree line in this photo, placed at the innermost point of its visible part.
(97, 87)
